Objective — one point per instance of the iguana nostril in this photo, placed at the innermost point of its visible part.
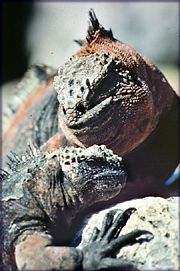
(64, 111)
(81, 108)
(82, 89)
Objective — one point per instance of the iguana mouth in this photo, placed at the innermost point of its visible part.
(108, 179)
(75, 120)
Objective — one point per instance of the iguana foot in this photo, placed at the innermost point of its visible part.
(101, 251)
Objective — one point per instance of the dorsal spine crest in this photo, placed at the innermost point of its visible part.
(95, 27)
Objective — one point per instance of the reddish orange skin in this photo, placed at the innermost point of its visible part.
(12, 130)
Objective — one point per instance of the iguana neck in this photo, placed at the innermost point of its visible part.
(158, 156)
(73, 201)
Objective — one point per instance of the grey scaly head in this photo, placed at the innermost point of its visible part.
(107, 93)
(95, 173)
(74, 177)
(89, 175)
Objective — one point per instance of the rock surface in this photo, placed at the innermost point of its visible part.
(157, 215)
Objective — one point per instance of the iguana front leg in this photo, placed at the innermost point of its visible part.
(36, 252)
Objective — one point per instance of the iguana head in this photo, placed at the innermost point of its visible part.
(70, 178)
(95, 173)
(107, 93)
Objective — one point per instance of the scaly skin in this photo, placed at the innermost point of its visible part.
(32, 114)
(42, 196)
(108, 94)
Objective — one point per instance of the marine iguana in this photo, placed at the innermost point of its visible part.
(43, 194)
(108, 94)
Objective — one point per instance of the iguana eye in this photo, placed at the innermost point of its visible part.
(105, 88)
(117, 82)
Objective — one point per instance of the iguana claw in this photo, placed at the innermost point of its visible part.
(103, 245)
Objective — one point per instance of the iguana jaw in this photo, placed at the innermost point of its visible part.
(87, 117)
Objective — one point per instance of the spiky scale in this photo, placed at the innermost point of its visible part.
(79, 42)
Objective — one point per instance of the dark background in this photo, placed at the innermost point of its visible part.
(15, 57)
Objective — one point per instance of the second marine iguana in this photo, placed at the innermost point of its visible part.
(43, 194)
(107, 94)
